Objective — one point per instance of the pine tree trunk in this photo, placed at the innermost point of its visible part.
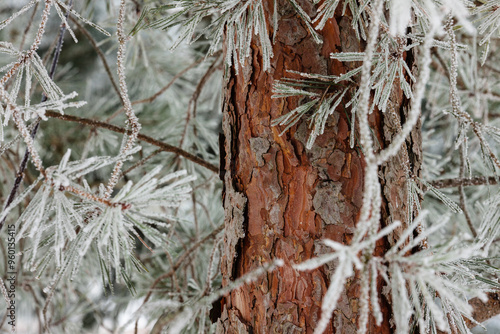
(281, 199)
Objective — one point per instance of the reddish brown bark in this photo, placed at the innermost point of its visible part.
(282, 199)
(484, 311)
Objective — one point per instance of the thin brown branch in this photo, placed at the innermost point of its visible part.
(141, 162)
(466, 182)
(484, 311)
(163, 146)
(465, 210)
(194, 99)
(460, 82)
(179, 261)
(461, 191)
(161, 91)
(101, 55)
(30, 23)
(442, 63)
(167, 86)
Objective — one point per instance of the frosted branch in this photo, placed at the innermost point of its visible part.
(133, 121)
(372, 186)
(416, 101)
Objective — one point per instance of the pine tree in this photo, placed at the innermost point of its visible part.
(283, 195)
(338, 117)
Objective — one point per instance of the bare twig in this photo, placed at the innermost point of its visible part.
(463, 199)
(30, 22)
(141, 162)
(179, 261)
(101, 55)
(191, 112)
(177, 264)
(160, 92)
(466, 182)
(171, 82)
(163, 146)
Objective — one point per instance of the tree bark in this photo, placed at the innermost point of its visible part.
(281, 199)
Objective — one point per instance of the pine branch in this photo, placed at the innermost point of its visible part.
(163, 146)
(466, 182)
(483, 311)
(24, 162)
